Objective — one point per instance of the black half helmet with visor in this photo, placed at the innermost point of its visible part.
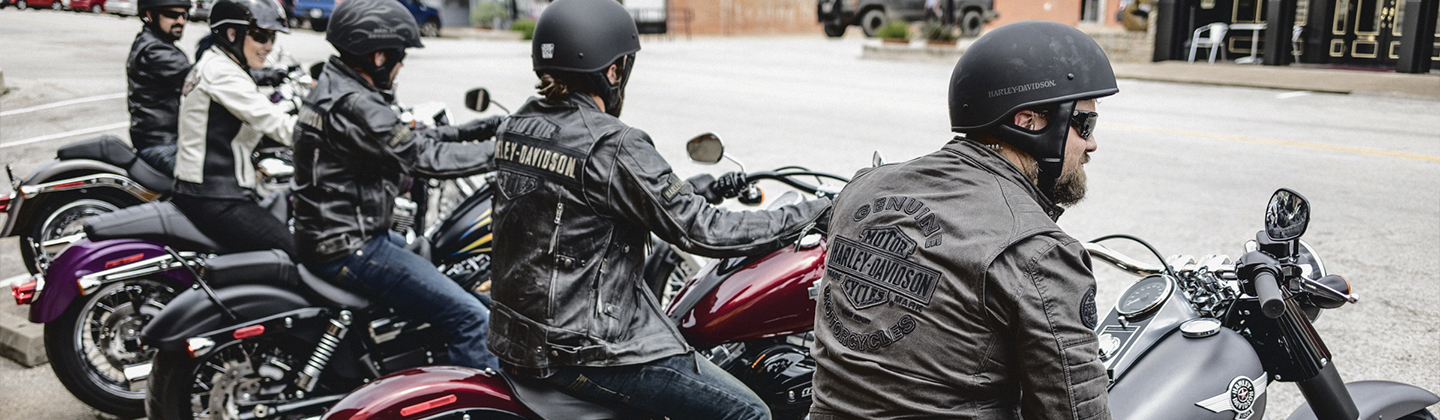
(1036, 65)
(244, 16)
(359, 28)
(583, 38)
(144, 6)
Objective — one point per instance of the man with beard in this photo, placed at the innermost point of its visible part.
(949, 291)
(156, 71)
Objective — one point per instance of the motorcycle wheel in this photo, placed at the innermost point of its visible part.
(227, 381)
(1423, 414)
(98, 337)
(667, 270)
(61, 216)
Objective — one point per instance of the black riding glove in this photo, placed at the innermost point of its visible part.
(480, 129)
(268, 77)
(729, 185)
(701, 184)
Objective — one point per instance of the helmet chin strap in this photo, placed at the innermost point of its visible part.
(613, 94)
(1046, 145)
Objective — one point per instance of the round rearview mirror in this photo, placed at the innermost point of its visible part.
(477, 99)
(705, 148)
(1286, 216)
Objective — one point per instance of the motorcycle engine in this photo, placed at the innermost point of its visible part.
(779, 372)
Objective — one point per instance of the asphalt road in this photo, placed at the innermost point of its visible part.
(1187, 167)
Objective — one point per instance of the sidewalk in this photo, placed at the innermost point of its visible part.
(1295, 77)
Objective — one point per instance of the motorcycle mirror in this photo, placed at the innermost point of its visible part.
(876, 160)
(316, 69)
(477, 99)
(706, 148)
(1286, 216)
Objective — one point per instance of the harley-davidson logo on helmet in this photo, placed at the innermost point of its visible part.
(547, 51)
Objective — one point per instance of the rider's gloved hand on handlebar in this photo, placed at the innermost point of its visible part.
(268, 76)
(729, 185)
(480, 129)
(701, 184)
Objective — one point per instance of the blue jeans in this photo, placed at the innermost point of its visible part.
(384, 269)
(679, 387)
(161, 157)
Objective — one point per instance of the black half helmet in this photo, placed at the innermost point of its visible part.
(585, 37)
(361, 27)
(144, 5)
(1028, 65)
(263, 14)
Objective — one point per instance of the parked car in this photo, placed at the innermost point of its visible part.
(427, 17)
(121, 7)
(317, 12)
(200, 9)
(870, 15)
(36, 4)
(92, 6)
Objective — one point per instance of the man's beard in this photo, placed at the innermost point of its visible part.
(1069, 187)
(176, 31)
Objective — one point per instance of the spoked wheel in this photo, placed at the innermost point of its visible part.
(249, 377)
(59, 221)
(94, 348)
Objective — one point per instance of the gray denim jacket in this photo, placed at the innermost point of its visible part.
(949, 292)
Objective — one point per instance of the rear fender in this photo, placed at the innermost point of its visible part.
(86, 265)
(1379, 400)
(36, 188)
(192, 313)
(428, 392)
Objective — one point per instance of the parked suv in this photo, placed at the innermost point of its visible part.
(870, 15)
(317, 12)
(427, 17)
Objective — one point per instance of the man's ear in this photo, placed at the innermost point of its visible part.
(378, 58)
(1029, 120)
(613, 73)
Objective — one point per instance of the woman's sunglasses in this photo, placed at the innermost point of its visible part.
(262, 35)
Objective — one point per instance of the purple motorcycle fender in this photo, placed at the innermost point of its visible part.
(62, 279)
(426, 392)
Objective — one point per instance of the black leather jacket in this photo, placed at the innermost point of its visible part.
(580, 192)
(949, 292)
(155, 72)
(353, 155)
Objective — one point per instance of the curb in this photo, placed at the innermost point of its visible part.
(21, 340)
(919, 52)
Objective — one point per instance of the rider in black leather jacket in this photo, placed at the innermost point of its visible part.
(353, 155)
(155, 72)
(580, 192)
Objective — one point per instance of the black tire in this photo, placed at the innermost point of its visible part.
(872, 20)
(182, 388)
(431, 28)
(59, 216)
(1423, 414)
(971, 23)
(57, 6)
(835, 30)
(96, 9)
(667, 270)
(89, 357)
(21, 4)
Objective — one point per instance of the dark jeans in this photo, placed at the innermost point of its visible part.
(162, 158)
(384, 269)
(678, 387)
(240, 225)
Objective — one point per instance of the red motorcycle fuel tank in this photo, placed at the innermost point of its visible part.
(751, 298)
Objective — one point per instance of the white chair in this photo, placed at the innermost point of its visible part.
(1214, 39)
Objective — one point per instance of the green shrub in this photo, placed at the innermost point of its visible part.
(486, 13)
(896, 29)
(937, 32)
(526, 28)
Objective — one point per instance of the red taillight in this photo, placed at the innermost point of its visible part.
(248, 332)
(421, 407)
(24, 293)
(124, 260)
(69, 184)
(4, 203)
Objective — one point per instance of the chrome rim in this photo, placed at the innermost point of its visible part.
(236, 376)
(66, 221)
(108, 332)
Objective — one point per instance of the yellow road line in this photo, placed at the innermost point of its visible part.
(1308, 145)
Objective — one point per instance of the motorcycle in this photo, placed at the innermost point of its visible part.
(1204, 339)
(757, 327)
(102, 175)
(125, 266)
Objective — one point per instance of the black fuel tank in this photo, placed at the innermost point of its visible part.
(1179, 375)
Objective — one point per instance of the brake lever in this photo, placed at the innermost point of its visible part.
(1315, 287)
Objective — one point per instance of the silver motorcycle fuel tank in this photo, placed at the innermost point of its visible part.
(1167, 362)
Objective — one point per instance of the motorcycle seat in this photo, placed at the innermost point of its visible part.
(552, 404)
(149, 177)
(255, 267)
(160, 222)
(108, 149)
(334, 295)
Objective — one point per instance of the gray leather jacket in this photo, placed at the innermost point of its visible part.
(949, 292)
(353, 155)
(580, 193)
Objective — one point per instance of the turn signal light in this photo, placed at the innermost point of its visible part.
(248, 332)
(24, 293)
(435, 403)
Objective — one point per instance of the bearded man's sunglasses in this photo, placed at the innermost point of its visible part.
(1084, 122)
(172, 14)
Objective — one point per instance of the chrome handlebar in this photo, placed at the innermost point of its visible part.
(1122, 261)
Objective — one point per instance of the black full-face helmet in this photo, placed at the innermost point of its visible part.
(359, 28)
(244, 15)
(1036, 65)
(584, 37)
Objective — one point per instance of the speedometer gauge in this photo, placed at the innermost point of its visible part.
(1144, 296)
